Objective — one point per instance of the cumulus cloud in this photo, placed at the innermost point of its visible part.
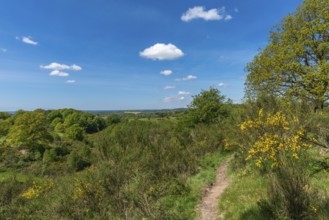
(169, 87)
(162, 51)
(166, 72)
(3, 50)
(228, 17)
(181, 95)
(189, 77)
(58, 66)
(27, 40)
(76, 67)
(173, 98)
(184, 93)
(199, 12)
(57, 69)
(224, 85)
(58, 73)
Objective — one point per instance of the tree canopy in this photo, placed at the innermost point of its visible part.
(295, 61)
(29, 130)
(206, 107)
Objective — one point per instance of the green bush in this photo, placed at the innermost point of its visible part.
(289, 193)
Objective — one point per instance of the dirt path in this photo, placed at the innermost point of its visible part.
(208, 207)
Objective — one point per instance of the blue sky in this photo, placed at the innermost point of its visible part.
(128, 54)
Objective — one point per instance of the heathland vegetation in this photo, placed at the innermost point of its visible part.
(70, 164)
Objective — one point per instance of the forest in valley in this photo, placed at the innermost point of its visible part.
(71, 164)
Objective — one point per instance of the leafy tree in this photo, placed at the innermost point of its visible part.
(113, 119)
(59, 127)
(56, 121)
(30, 130)
(75, 132)
(206, 107)
(72, 119)
(295, 61)
(100, 123)
(4, 126)
(54, 115)
(4, 115)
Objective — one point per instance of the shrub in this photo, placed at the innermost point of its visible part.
(289, 193)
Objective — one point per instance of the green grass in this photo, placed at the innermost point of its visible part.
(4, 175)
(248, 187)
(239, 201)
(184, 206)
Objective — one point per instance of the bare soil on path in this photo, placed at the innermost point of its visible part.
(208, 208)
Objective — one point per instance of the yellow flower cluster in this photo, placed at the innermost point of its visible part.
(36, 190)
(82, 190)
(278, 120)
(272, 136)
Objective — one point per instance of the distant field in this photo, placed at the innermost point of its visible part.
(134, 113)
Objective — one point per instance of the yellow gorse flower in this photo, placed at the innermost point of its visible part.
(270, 135)
(36, 190)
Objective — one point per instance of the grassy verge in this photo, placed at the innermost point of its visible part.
(239, 201)
(248, 187)
(184, 206)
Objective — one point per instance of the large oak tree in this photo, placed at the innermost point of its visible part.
(295, 61)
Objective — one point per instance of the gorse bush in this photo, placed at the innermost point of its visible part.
(270, 137)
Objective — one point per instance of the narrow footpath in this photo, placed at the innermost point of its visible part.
(208, 208)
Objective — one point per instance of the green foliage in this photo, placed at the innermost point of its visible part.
(295, 61)
(76, 162)
(206, 107)
(4, 126)
(75, 132)
(56, 121)
(113, 119)
(289, 194)
(54, 114)
(49, 156)
(30, 131)
(4, 115)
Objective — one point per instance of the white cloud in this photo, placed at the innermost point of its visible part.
(55, 66)
(76, 67)
(173, 98)
(161, 51)
(184, 93)
(70, 81)
(166, 72)
(58, 73)
(189, 77)
(224, 85)
(169, 87)
(27, 40)
(199, 12)
(228, 17)
(58, 66)
(181, 95)
(3, 50)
